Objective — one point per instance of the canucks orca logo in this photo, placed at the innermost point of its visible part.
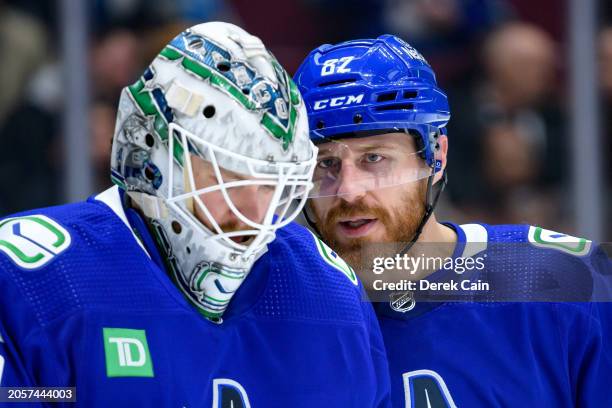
(543, 238)
(333, 259)
(229, 394)
(209, 287)
(214, 285)
(32, 241)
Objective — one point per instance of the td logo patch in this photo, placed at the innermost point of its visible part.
(127, 353)
(32, 241)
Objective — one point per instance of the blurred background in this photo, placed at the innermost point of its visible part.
(529, 82)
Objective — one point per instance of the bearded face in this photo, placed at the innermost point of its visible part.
(389, 215)
(372, 192)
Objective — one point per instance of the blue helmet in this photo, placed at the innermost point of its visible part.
(380, 84)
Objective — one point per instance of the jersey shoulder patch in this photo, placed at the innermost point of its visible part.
(303, 242)
(32, 241)
(534, 263)
(62, 260)
(333, 259)
(543, 238)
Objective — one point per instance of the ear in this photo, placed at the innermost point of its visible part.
(441, 152)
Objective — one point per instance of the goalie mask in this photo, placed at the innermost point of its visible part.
(211, 145)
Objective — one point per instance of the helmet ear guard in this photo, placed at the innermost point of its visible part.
(427, 150)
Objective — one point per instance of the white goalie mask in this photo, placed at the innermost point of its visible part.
(211, 145)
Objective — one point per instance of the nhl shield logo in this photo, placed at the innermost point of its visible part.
(402, 302)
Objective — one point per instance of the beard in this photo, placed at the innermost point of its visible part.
(400, 224)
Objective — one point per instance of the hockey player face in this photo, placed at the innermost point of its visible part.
(371, 192)
(251, 200)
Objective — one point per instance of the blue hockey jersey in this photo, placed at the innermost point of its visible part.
(85, 302)
(484, 352)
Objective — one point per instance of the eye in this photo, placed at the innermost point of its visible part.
(228, 178)
(327, 163)
(267, 188)
(373, 158)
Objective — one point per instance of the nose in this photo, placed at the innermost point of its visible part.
(252, 201)
(351, 183)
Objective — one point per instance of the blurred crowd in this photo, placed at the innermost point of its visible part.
(502, 63)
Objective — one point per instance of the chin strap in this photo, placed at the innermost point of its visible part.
(433, 194)
(431, 200)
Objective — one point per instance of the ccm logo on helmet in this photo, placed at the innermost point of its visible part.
(338, 101)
